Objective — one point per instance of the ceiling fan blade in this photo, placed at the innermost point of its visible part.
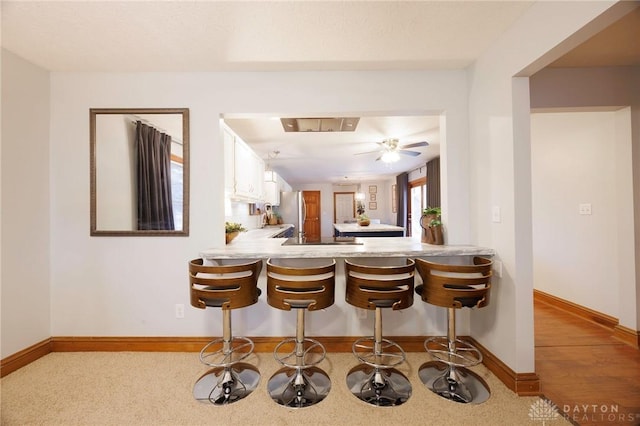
(411, 153)
(415, 145)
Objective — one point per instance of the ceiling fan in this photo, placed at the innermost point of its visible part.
(390, 150)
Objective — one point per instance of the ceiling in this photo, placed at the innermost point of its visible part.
(616, 46)
(179, 35)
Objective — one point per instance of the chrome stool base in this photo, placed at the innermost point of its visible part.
(299, 383)
(455, 384)
(299, 387)
(225, 385)
(382, 387)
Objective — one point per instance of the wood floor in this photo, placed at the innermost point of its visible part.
(593, 378)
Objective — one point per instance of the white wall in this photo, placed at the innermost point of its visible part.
(606, 89)
(128, 286)
(577, 158)
(500, 165)
(25, 262)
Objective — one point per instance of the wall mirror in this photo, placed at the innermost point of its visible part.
(139, 171)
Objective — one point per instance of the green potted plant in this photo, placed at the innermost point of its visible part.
(431, 224)
(432, 211)
(231, 230)
(363, 220)
(278, 218)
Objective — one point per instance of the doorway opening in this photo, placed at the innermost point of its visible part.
(344, 210)
(417, 203)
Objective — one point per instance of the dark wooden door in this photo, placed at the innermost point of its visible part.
(312, 223)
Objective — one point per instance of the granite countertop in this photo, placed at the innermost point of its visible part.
(263, 248)
(374, 227)
(268, 231)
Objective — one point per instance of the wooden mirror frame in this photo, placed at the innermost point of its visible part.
(95, 231)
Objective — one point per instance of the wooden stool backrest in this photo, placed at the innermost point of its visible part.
(225, 286)
(456, 286)
(311, 287)
(384, 286)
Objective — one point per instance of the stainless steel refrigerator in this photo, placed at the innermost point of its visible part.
(292, 209)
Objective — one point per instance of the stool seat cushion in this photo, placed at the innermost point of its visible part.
(371, 285)
(300, 283)
(227, 285)
(465, 302)
(455, 286)
(216, 302)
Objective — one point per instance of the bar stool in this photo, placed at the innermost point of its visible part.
(375, 287)
(454, 287)
(300, 284)
(229, 286)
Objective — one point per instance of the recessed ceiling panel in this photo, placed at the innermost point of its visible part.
(321, 124)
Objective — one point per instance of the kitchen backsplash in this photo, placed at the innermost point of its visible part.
(239, 212)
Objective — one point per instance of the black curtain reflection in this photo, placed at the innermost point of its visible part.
(402, 187)
(433, 183)
(153, 148)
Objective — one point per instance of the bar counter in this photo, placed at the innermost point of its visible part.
(264, 248)
(341, 319)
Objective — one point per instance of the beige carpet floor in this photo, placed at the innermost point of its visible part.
(134, 388)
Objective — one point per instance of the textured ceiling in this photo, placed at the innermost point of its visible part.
(253, 35)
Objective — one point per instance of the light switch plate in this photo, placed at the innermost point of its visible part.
(495, 214)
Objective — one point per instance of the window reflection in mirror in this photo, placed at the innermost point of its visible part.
(139, 171)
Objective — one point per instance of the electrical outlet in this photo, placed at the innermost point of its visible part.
(584, 208)
(179, 310)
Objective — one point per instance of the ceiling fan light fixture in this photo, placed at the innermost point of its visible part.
(390, 157)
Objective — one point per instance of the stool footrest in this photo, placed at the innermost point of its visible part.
(310, 353)
(388, 353)
(465, 355)
(214, 353)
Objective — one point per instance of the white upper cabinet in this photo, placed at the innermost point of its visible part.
(244, 170)
(273, 186)
(229, 162)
